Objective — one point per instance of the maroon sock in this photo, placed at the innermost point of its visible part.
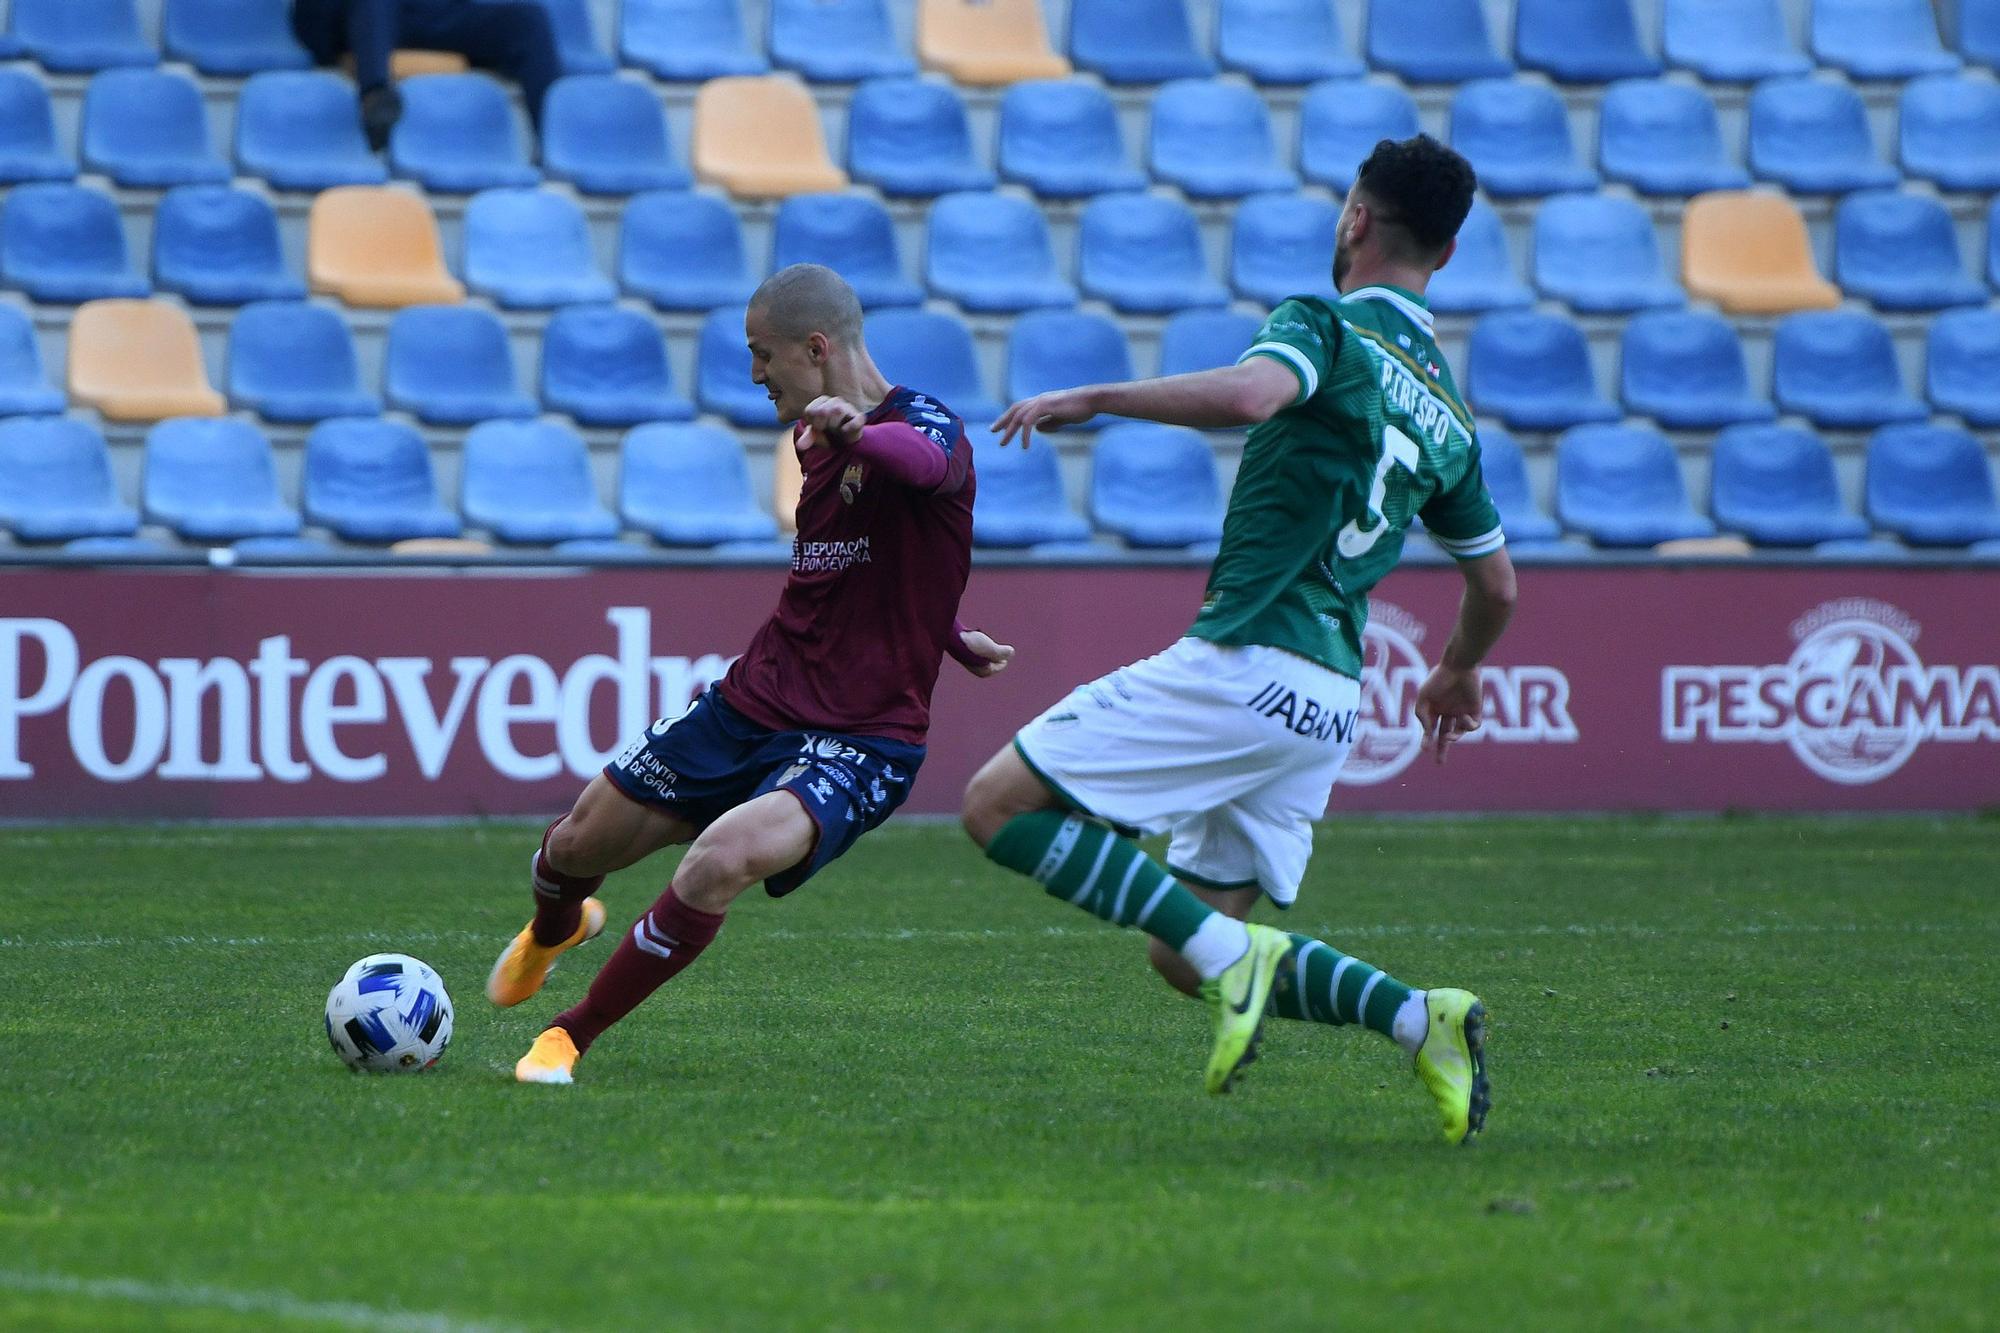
(660, 943)
(558, 897)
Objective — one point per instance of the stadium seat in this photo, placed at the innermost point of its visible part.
(138, 361)
(291, 361)
(1749, 253)
(1022, 501)
(688, 485)
(760, 138)
(683, 251)
(1143, 254)
(1963, 357)
(986, 43)
(1441, 42)
(111, 549)
(1979, 31)
(531, 249)
(608, 367)
(722, 372)
(457, 135)
(64, 243)
(219, 246)
(371, 480)
(687, 41)
(991, 253)
(1480, 276)
(1776, 486)
(1205, 340)
(55, 482)
(1581, 41)
(910, 137)
(301, 130)
(450, 365)
(1284, 41)
(1685, 369)
(607, 135)
(1060, 138)
(1730, 41)
(1135, 41)
(1597, 253)
(1879, 39)
(1342, 120)
(24, 384)
(1281, 245)
(576, 38)
(28, 150)
(146, 128)
(1951, 132)
(1812, 137)
(1621, 486)
(1839, 368)
(1931, 486)
(1533, 372)
(1214, 141)
(529, 481)
(1993, 244)
(230, 38)
(850, 234)
(1155, 486)
(78, 36)
(1900, 251)
(932, 352)
(1517, 137)
(377, 246)
(837, 41)
(1061, 349)
(1506, 475)
(213, 481)
(1664, 138)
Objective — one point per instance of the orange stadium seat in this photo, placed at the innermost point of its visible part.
(987, 42)
(760, 138)
(377, 246)
(138, 361)
(786, 482)
(411, 64)
(446, 546)
(1749, 253)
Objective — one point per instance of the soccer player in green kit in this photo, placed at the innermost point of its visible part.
(1229, 741)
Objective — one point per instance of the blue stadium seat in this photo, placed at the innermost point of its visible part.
(1517, 137)
(529, 481)
(290, 361)
(1879, 39)
(1963, 360)
(1812, 137)
(147, 128)
(1284, 41)
(576, 37)
(991, 253)
(931, 352)
(850, 234)
(1480, 276)
(1598, 254)
(1731, 41)
(1205, 340)
(1900, 251)
(1993, 244)
(118, 548)
(1951, 132)
(687, 41)
(457, 135)
(78, 36)
(212, 479)
(911, 137)
(1022, 501)
(302, 131)
(219, 246)
(1533, 372)
(1664, 138)
(608, 367)
(531, 249)
(1060, 138)
(1155, 486)
(24, 384)
(1931, 486)
(1775, 485)
(1622, 486)
(683, 251)
(1143, 254)
(837, 41)
(1135, 41)
(64, 243)
(1581, 41)
(1214, 140)
(228, 37)
(1061, 349)
(1506, 475)
(607, 135)
(1445, 41)
(1838, 367)
(1685, 369)
(1282, 245)
(722, 373)
(1979, 31)
(451, 365)
(55, 482)
(370, 480)
(688, 485)
(287, 550)
(1341, 121)
(28, 150)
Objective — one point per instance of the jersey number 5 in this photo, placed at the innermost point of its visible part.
(1398, 450)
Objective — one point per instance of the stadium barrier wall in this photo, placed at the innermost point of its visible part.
(236, 694)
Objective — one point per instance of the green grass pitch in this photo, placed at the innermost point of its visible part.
(1746, 1076)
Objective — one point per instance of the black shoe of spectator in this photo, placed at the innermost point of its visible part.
(381, 108)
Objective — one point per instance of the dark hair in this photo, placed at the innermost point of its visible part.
(1422, 186)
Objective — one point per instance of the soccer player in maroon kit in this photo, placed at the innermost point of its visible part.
(815, 734)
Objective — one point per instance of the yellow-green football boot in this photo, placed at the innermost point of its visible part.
(1452, 1061)
(1238, 998)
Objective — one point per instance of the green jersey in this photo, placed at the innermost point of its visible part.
(1327, 487)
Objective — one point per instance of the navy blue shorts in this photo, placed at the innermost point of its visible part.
(711, 759)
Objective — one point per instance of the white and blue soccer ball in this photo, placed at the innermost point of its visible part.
(389, 1015)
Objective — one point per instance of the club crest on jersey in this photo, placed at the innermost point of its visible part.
(850, 482)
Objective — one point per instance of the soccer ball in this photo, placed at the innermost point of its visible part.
(389, 1015)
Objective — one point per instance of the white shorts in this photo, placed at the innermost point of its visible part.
(1232, 751)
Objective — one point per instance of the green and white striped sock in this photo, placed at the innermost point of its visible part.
(1319, 984)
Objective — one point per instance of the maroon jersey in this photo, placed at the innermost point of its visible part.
(881, 557)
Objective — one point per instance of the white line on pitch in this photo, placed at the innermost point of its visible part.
(268, 1303)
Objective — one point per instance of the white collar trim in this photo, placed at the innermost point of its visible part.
(1415, 313)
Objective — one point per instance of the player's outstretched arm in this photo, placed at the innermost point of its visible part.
(1238, 395)
(1448, 704)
